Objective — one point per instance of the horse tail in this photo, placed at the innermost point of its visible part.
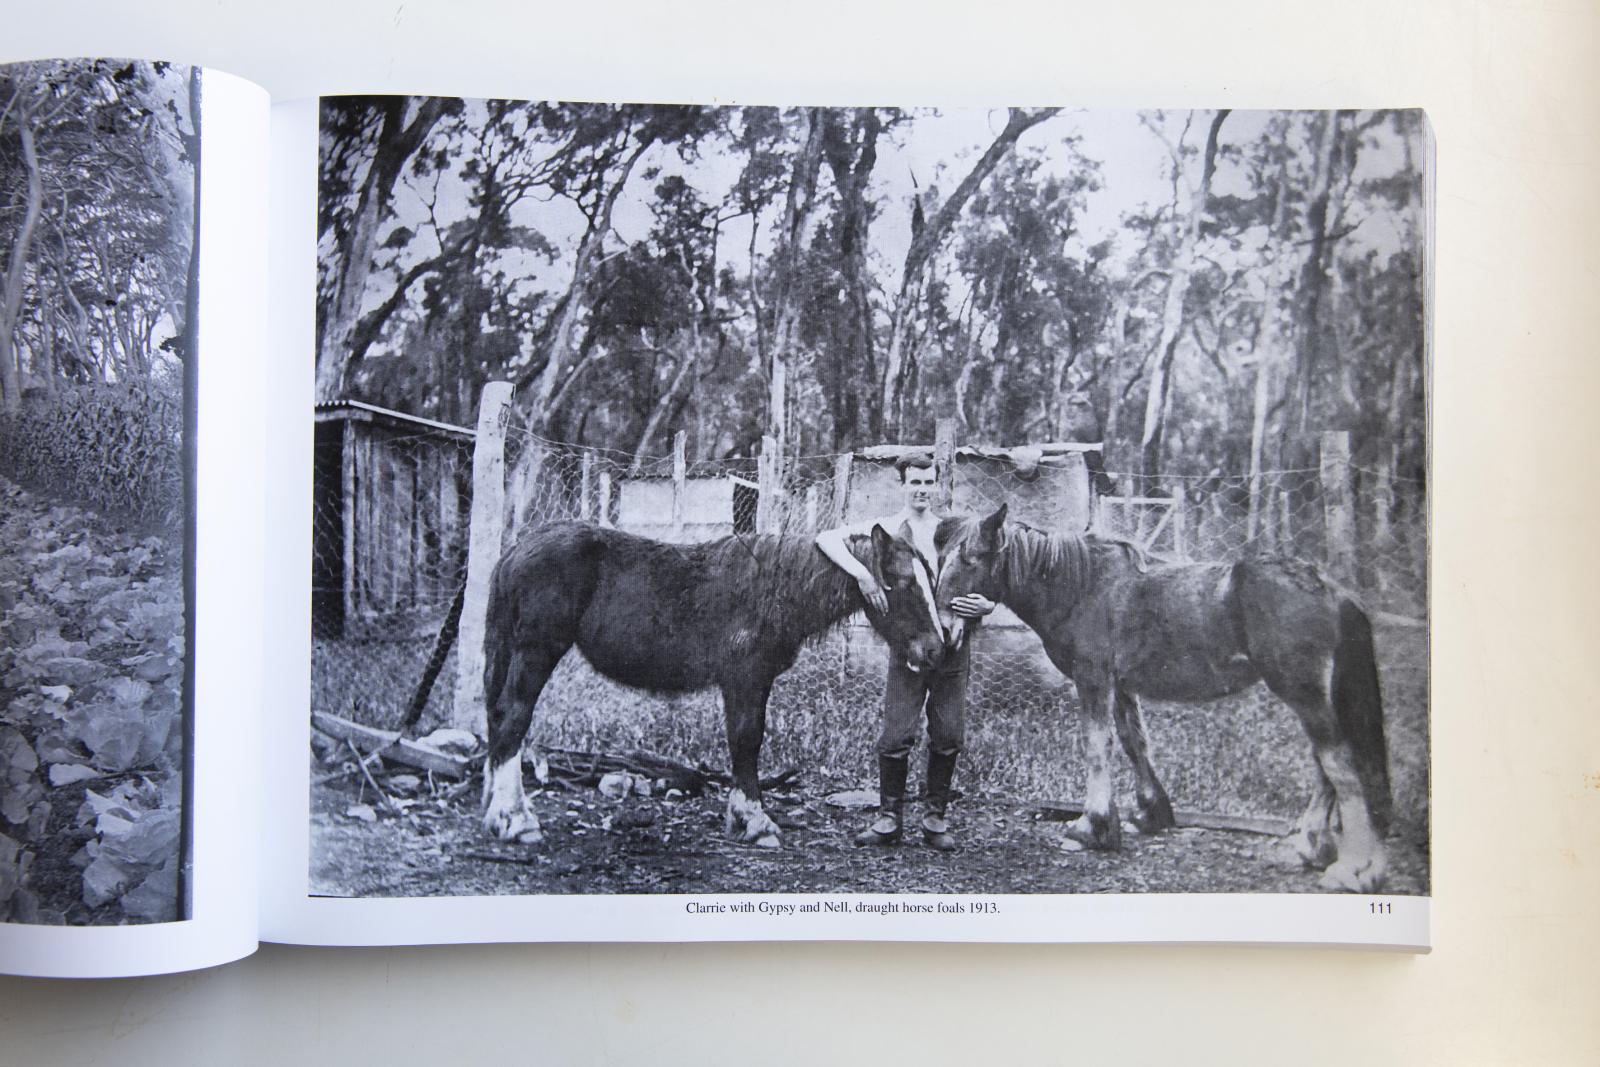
(1358, 706)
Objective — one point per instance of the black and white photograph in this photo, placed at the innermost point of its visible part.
(878, 500)
(99, 162)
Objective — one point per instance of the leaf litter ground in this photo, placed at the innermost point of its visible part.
(362, 845)
(91, 739)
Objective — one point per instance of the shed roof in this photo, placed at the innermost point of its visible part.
(360, 411)
(1024, 458)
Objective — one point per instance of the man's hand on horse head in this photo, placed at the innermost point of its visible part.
(972, 606)
(874, 594)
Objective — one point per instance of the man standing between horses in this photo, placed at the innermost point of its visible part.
(941, 693)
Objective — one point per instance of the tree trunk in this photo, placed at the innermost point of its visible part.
(977, 324)
(353, 257)
(11, 294)
(852, 163)
(1308, 293)
(366, 332)
(1172, 317)
(1109, 376)
(542, 386)
(665, 404)
(1062, 358)
(795, 239)
(558, 352)
(1266, 357)
(923, 245)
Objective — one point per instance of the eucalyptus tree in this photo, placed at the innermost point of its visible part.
(367, 143)
(926, 239)
(1016, 346)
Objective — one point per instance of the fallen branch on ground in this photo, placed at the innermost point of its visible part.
(361, 762)
(1064, 811)
(565, 766)
(572, 767)
(391, 746)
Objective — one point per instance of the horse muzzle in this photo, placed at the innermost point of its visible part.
(955, 631)
(924, 654)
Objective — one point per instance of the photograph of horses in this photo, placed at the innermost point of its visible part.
(869, 500)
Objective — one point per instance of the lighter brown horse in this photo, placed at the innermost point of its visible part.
(731, 613)
(1124, 627)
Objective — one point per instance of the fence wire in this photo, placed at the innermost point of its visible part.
(392, 516)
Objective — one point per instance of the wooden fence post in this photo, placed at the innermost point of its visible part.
(350, 459)
(944, 463)
(1338, 508)
(605, 498)
(680, 477)
(766, 485)
(585, 479)
(483, 552)
(841, 486)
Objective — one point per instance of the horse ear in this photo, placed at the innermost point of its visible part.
(886, 551)
(991, 531)
(882, 544)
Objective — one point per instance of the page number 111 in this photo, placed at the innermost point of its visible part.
(1381, 907)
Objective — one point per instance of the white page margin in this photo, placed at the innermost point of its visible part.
(290, 394)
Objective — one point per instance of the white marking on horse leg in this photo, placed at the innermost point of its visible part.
(1362, 861)
(1098, 826)
(507, 814)
(1312, 843)
(748, 822)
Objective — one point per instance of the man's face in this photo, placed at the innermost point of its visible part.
(919, 488)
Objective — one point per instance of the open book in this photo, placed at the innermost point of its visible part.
(439, 520)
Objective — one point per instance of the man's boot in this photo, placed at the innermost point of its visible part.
(885, 829)
(935, 830)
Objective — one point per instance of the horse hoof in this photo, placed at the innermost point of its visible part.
(746, 822)
(1349, 878)
(1154, 819)
(758, 836)
(1284, 856)
(522, 827)
(1315, 851)
(1105, 837)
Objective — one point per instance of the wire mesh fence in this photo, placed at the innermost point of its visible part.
(391, 532)
(1382, 554)
(390, 513)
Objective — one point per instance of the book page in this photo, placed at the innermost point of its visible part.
(132, 346)
(600, 396)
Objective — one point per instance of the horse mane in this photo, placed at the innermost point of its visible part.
(1030, 555)
(763, 570)
(786, 569)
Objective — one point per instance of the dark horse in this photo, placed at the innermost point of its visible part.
(1124, 627)
(731, 613)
